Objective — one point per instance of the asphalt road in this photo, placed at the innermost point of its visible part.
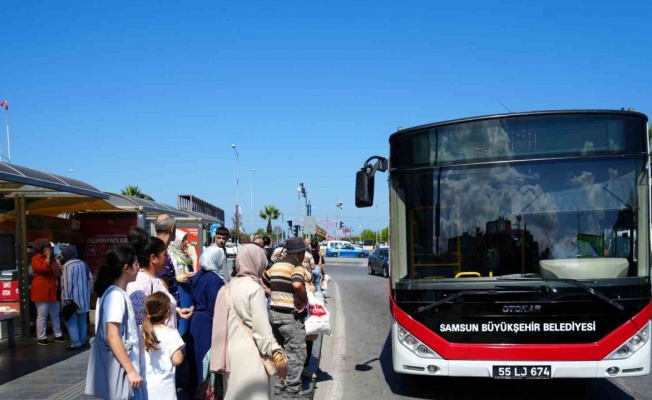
(356, 359)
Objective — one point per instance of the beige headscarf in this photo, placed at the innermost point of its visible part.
(250, 262)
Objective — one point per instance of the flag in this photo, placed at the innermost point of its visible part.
(4, 104)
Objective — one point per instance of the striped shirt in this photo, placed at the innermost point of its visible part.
(76, 281)
(279, 278)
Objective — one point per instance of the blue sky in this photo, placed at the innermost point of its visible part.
(154, 93)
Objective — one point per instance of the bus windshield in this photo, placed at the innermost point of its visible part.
(534, 205)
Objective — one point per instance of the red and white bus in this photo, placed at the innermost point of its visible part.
(520, 245)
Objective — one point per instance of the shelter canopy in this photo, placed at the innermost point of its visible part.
(15, 179)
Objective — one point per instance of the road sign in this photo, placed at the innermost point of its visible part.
(309, 225)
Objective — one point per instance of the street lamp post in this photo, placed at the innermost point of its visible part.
(338, 206)
(237, 192)
(251, 206)
(300, 190)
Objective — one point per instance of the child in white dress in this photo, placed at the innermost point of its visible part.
(162, 348)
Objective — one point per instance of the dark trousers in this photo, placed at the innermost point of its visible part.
(290, 332)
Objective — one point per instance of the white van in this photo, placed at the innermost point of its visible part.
(325, 245)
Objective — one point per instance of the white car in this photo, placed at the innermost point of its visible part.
(232, 249)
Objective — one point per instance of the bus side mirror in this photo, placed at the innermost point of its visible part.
(364, 181)
(364, 189)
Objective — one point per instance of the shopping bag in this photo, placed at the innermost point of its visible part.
(317, 322)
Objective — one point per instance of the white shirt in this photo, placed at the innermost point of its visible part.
(114, 311)
(158, 363)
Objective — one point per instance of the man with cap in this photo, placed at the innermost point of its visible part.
(287, 314)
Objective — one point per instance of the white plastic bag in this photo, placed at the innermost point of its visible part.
(317, 322)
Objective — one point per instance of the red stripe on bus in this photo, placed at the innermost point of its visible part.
(530, 352)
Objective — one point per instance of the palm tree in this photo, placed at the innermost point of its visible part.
(134, 191)
(269, 213)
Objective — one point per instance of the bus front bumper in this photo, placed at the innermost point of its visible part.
(407, 362)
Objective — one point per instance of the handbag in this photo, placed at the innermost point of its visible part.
(268, 362)
(205, 391)
(212, 387)
(105, 377)
(68, 310)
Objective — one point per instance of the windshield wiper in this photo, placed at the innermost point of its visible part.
(463, 293)
(573, 282)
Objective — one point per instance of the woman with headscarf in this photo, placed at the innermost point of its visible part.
(76, 281)
(205, 285)
(184, 271)
(235, 351)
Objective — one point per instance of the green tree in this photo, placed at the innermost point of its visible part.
(368, 234)
(384, 235)
(269, 213)
(134, 191)
(261, 232)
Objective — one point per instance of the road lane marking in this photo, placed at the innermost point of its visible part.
(339, 349)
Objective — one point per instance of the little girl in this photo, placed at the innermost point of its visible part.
(162, 348)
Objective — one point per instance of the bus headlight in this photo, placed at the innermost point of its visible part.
(632, 345)
(415, 345)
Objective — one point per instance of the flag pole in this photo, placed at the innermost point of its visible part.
(8, 144)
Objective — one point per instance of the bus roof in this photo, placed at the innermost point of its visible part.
(516, 115)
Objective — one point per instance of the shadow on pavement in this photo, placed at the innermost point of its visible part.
(426, 387)
(365, 366)
(324, 377)
(29, 357)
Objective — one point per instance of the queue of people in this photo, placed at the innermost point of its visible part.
(238, 331)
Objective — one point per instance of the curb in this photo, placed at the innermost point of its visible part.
(345, 261)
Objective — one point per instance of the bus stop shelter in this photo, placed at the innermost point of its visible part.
(20, 189)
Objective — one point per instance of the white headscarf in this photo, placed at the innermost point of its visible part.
(212, 259)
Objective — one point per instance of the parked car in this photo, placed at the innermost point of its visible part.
(346, 250)
(379, 262)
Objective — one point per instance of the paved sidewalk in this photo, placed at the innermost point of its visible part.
(65, 380)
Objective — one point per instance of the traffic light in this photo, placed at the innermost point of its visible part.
(296, 230)
(341, 224)
(290, 223)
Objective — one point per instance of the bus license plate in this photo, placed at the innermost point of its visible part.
(521, 372)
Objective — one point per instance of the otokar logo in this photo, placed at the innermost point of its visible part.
(522, 309)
